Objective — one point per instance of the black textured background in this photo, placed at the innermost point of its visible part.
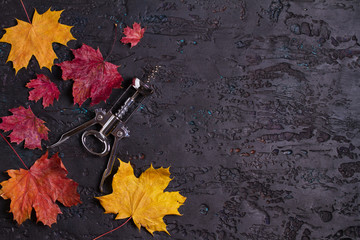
(256, 110)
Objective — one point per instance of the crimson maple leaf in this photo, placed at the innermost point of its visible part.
(25, 126)
(39, 187)
(133, 35)
(93, 77)
(43, 88)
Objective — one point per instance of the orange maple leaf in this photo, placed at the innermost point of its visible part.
(39, 187)
(142, 198)
(133, 35)
(36, 38)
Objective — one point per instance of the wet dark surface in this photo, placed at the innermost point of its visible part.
(256, 110)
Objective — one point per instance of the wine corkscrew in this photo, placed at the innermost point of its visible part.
(112, 122)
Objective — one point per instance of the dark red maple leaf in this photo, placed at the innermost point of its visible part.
(93, 77)
(39, 187)
(133, 35)
(43, 88)
(25, 126)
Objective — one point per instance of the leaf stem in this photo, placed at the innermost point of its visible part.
(14, 151)
(22, 3)
(112, 47)
(113, 229)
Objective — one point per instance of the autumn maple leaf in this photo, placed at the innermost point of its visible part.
(25, 126)
(93, 77)
(133, 35)
(39, 187)
(36, 38)
(142, 198)
(43, 88)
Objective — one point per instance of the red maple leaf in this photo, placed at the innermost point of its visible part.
(25, 126)
(133, 35)
(39, 187)
(93, 77)
(43, 88)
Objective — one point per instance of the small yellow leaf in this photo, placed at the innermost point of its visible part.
(142, 198)
(36, 38)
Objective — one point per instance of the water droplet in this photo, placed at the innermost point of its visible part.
(275, 152)
(304, 152)
(287, 152)
(204, 209)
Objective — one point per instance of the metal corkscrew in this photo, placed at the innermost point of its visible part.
(113, 122)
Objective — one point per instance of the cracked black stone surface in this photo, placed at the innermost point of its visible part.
(256, 110)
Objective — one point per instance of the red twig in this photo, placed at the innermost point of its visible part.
(25, 11)
(112, 47)
(113, 229)
(14, 151)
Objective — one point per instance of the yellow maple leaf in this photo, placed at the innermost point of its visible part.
(142, 198)
(36, 38)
